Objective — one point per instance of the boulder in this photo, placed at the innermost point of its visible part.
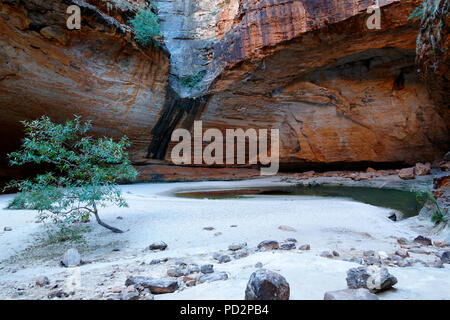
(207, 268)
(71, 258)
(211, 277)
(267, 285)
(350, 294)
(373, 278)
(423, 241)
(269, 245)
(287, 246)
(407, 174)
(224, 259)
(160, 245)
(237, 246)
(422, 169)
(445, 257)
(42, 281)
(156, 286)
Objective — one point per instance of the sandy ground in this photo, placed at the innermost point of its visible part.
(343, 225)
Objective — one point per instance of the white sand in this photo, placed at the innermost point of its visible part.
(343, 225)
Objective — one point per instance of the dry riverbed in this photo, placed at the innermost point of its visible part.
(200, 231)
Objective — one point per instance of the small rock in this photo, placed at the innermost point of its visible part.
(445, 257)
(305, 247)
(160, 245)
(438, 263)
(119, 218)
(291, 240)
(157, 261)
(402, 241)
(193, 268)
(395, 216)
(156, 286)
(71, 258)
(372, 260)
(407, 174)
(258, 265)
(131, 295)
(208, 228)
(207, 268)
(42, 281)
(267, 285)
(287, 246)
(268, 245)
(326, 254)
(350, 294)
(423, 241)
(373, 278)
(402, 253)
(216, 276)
(335, 253)
(177, 272)
(224, 259)
(237, 246)
(422, 169)
(7, 229)
(233, 226)
(116, 289)
(287, 228)
(240, 254)
(191, 283)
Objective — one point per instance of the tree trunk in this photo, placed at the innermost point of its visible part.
(100, 222)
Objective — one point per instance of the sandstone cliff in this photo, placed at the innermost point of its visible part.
(340, 93)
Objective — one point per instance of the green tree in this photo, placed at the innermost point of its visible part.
(84, 171)
(146, 27)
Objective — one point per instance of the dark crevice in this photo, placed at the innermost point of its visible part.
(174, 109)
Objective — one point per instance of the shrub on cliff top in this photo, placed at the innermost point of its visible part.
(84, 171)
(146, 27)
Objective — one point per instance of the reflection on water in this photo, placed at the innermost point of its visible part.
(403, 201)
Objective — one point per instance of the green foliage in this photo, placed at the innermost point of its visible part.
(192, 80)
(84, 176)
(417, 13)
(146, 27)
(423, 196)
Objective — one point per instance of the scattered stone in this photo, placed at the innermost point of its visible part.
(224, 259)
(216, 276)
(207, 268)
(350, 294)
(119, 218)
(422, 169)
(191, 283)
(372, 260)
(402, 253)
(305, 247)
(193, 268)
(156, 286)
(208, 228)
(7, 229)
(373, 278)
(258, 265)
(287, 228)
(157, 261)
(57, 294)
(445, 257)
(291, 240)
(287, 246)
(134, 295)
(441, 244)
(181, 263)
(269, 245)
(237, 246)
(160, 245)
(240, 254)
(423, 241)
(71, 258)
(217, 234)
(402, 241)
(267, 285)
(438, 263)
(115, 249)
(116, 289)
(233, 226)
(326, 254)
(335, 253)
(42, 281)
(407, 174)
(177, 272)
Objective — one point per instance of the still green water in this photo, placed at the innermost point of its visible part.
(403, 201)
